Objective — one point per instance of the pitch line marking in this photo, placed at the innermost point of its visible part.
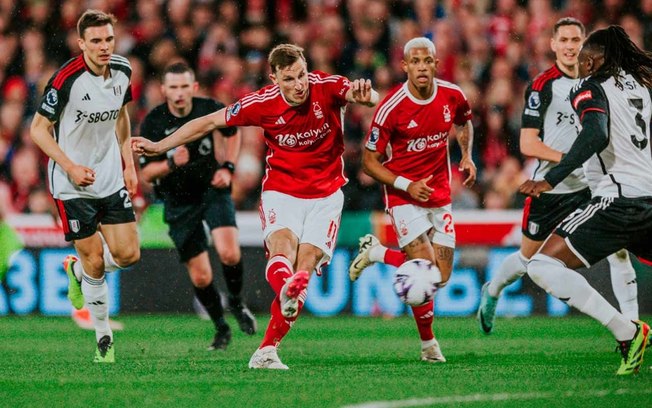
(459, 399)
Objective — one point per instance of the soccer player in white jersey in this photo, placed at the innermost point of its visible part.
(549, 128)
(614, 105)
(82, 124)
(407, 151)
(301, 204)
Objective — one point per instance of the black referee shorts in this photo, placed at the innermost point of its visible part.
(186, 222)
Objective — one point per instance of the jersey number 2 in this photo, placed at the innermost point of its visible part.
(124, 194)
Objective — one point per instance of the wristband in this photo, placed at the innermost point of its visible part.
(171, 164)
(402, 183)
(229, 166)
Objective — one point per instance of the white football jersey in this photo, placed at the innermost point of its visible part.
(624, 167)
(548, 109)
(84, 108)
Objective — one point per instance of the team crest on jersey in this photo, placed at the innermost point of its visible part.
(402, 228)
(534, 101)
(233, 110)
(447, 114)
(532, 227)
(271, 215)
(74, 225)
(317, 110)
(52, 97)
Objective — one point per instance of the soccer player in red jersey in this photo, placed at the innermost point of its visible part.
(301, 203)
(407, 151)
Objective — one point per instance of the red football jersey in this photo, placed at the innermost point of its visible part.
(304, 142)
(413, 134)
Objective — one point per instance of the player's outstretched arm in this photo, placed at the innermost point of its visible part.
(372, 165)
(465, 138)
(361, 92)
(41, 133)
(192, 130)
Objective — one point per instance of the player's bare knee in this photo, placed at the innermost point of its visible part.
(96, 263)
(201, 278)
(229, 257)
(127, 257)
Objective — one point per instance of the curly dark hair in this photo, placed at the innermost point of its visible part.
(620, 53)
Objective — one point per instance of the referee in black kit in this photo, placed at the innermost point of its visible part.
(196, 190)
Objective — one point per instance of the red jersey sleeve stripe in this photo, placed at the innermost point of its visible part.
(67, 72)
(541, 81)
(589, 110)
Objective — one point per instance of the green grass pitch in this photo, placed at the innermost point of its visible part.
(334, 362)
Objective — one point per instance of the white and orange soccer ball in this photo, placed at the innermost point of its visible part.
(416, 281)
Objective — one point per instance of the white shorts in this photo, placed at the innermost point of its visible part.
(314, 221)
(410, 221)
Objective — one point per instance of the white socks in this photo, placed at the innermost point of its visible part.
(427, 343)
(511, 269)
(623, 281)
(571, 287)
(109, 263)
(96, 295)
(377, 253)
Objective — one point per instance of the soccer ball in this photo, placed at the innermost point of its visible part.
(415, 282)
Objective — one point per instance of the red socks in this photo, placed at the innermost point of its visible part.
(277, 271)
(424, 315)
(394, 257)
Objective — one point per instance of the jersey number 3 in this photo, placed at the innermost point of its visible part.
(637, 104)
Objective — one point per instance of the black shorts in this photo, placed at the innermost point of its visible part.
(542, 215)
(606, 224)
(81, 216)
(186, 222)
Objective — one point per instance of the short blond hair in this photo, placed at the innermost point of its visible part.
(419, 42)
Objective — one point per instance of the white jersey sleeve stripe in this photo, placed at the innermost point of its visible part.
(116, 57)
(121, 63)
(387, 107)
(263, 95)
(449, 85)
(259, 98)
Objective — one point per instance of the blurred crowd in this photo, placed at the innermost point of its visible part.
(489, 48)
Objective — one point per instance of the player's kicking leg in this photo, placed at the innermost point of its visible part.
(363, 259)
(551, 270)
(371, 251)
(623, 282)
(277, 271)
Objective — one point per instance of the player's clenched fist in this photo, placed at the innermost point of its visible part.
(145, 147)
